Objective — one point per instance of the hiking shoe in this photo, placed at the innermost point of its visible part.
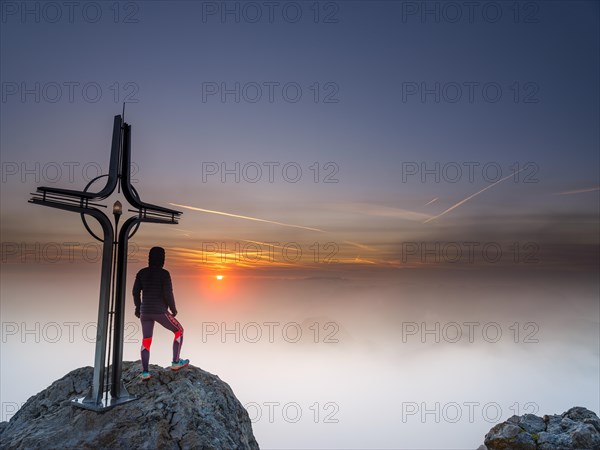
(146, 376)
(179, 364)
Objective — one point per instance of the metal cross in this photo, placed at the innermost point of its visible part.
(111, 308)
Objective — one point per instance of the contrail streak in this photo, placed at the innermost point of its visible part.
(271, 244)
(431, 201)
(465, 200)
(245, 217)
(361, 246)
(579, 191)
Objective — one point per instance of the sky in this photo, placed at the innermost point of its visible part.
(401, 200)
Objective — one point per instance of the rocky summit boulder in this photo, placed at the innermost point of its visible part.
(578, 428)
(189, 409)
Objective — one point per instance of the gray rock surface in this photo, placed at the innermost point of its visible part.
(578, 428)
(189, 409)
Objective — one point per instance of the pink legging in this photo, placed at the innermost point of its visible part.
(170, 323)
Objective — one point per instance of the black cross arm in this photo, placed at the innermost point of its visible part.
(84, 209)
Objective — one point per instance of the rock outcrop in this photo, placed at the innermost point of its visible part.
(578, 428)
(189, 409)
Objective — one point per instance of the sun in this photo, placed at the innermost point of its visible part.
(219, 277)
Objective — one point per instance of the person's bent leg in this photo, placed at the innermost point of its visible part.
(171, 323)
(147, 330)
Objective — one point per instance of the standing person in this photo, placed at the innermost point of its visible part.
(154, 284)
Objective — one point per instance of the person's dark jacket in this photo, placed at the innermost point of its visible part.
(154, 285)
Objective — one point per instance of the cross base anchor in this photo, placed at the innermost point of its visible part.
(105, 403)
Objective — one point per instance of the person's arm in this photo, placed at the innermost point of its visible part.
(168, 292)
(137, 289)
